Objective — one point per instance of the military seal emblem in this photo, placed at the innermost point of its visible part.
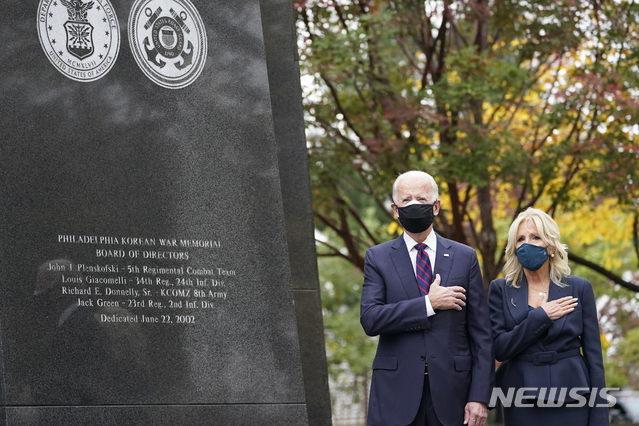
(168, 41)
(80, 38)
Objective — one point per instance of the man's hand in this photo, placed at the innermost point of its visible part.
(446, 297)
(475, 414)
(557, 308)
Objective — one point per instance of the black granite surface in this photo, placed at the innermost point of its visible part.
(288, 118)
(197, 415)
(122, 158)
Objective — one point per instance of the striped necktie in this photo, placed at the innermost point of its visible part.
(423, 269)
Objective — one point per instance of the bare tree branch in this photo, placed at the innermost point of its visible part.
(464, 202)
(457, 34)
(473, 232)
(603, 271)
(635, 235)
(345, 233)
(348, 237)
(520, 200)
(409, 55)
(340, 15)
(332, 130)
(441, 37)
(328, 222)
(571, 174)
(359, 220)
(368, 190)
(458, 214)
(341, 109)
(518, 99)
(335, 251)
(384, 208)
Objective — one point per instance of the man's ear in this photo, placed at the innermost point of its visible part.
(437, 207)
(394, 207)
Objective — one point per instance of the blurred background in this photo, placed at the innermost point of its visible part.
(508, 104)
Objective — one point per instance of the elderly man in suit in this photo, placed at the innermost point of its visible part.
(424, 296)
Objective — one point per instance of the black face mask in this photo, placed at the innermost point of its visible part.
(416, 218)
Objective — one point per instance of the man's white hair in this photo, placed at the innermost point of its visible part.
(416, 174)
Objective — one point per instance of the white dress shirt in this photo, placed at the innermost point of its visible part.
(431, 249)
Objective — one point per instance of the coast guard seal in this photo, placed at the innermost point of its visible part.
(80, 38)
(168, 41)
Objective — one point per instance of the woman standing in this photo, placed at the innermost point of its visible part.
(546, 331)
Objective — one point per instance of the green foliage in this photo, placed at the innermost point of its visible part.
(536, 100)
(622, 368)
(349, 350)
(508, 104)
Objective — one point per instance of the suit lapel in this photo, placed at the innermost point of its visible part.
(518, 301)
(519, 297)
(443, 259)
(555, 292)
(403, 266)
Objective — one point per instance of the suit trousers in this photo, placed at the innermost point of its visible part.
(426, 413)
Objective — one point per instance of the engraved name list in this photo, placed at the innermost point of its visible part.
(154, 280)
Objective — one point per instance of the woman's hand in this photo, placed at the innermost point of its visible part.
(558, 308)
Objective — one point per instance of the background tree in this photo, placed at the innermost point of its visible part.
(508, 104)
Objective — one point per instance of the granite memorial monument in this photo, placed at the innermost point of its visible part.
(156, 256)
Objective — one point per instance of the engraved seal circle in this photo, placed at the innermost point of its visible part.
(81, 38)
(168, 41)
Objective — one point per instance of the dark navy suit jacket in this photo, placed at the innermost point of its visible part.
(456, 344)
(518, 331)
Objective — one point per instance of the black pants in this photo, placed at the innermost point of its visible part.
(426, 413)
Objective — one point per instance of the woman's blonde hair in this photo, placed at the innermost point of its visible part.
(548, 231)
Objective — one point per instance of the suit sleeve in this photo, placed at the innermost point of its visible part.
(377, 316)
(479, 336)
(509, 343)
(591, 348)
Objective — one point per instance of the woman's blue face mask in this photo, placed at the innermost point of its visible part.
(531, 257)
